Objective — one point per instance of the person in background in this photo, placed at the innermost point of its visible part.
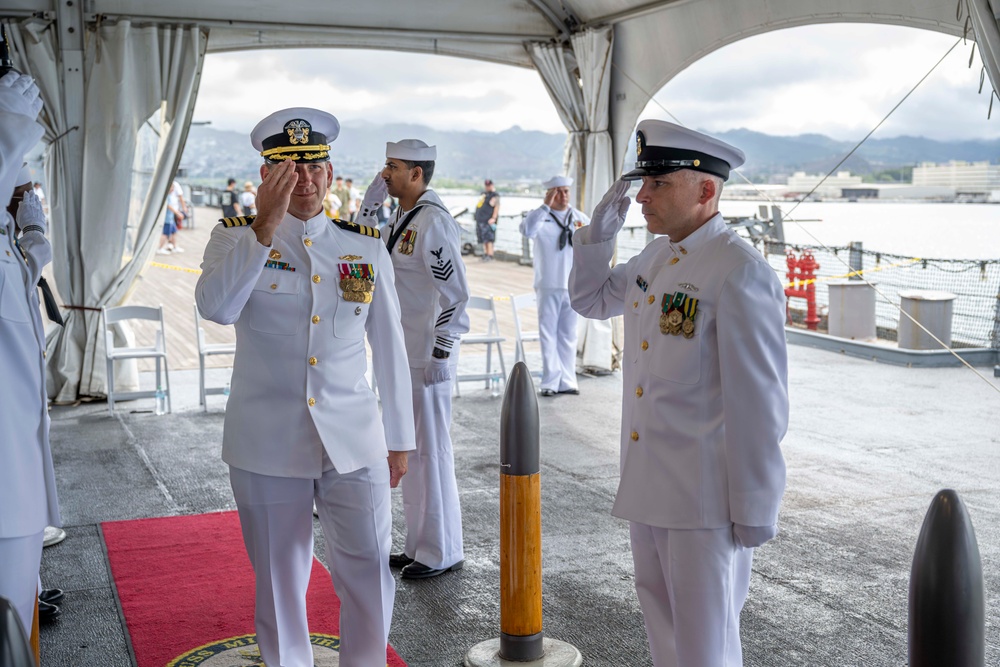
(302, 424)
(551, 225)
(423, 242)
(248, 199)
(230, 200)
(41, 197)
(343, 194)
(705, 404)
(487, 214)
(28, 499)
(176, 211)
(353, 199)
(331, 205)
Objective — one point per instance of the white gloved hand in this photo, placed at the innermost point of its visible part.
(749, 537)
(609, 214)
(20, 95)
(436, 371)
(374, 197)
(30, 213)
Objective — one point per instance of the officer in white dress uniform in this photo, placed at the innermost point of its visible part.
(423, 242)
(28, 499)
(705, 392)
(302, 424)
(551, 225)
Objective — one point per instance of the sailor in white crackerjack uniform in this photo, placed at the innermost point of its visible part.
(302, 424)
(705, 403)
(551, 225)
(423, 241)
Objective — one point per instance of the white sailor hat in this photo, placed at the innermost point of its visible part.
(300, 134)
(411, 150)
(558, 182)
(662, 147)
(23, 176)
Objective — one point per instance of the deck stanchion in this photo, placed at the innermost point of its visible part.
(521, 638)
(947, 607)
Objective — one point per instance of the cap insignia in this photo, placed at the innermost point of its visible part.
(298, 131)
(639, 141)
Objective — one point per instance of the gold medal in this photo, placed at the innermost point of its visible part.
(365, 286)
(687, 328)
(664, 324)
(358, 297)
(674, 318)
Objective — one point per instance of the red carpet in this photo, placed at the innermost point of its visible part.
(187, 593)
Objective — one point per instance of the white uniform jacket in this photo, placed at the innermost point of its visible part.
(702, 417)
(430, 278)
(28, 500)
(300, 348)
(552, 264)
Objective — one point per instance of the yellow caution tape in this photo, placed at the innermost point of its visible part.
(803, 283)
(175, 268)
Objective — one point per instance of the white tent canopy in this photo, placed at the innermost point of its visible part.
(108, 66)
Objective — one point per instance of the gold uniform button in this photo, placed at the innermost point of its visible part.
(645, 345)
(311, 402)
(635, 434)
(315, 319)
(274, 286)
(635, 305)
(683, 251)
(316, 278)
(638, 392)
(313, 361)
(651, 298)
(674, 260)
(308, 242)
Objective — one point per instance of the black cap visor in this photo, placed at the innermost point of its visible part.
(657, 160)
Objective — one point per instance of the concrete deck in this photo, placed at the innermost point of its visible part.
(869, 445)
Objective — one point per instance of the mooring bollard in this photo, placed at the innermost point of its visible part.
(947, 607)
(14, 648)
(521, 637)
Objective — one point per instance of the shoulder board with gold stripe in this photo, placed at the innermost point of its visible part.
(240, 221)
(364, 230)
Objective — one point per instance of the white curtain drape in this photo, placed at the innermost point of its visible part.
(131, 73)
(984, 25)
(593, 53)
(557, 66)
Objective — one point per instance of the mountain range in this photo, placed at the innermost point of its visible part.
(526, 156)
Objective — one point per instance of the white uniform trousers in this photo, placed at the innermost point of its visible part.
(276, 518)
(20, 558)
(430, 492)
(557, 335)
(691, 585)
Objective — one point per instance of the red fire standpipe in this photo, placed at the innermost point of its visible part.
(802, 283)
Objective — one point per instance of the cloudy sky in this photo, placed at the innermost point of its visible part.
(838, 80)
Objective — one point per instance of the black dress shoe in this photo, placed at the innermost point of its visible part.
(47, 612)
(399, 560)
(547, 392)
(417, 570)
(51, 595)
(575, 392)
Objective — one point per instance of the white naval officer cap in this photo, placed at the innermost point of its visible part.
(662, 148)
(558, 182)
(411, 150)
(23, 176)
(300, 134)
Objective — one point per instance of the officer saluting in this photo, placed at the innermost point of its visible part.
(302, 425)
(551, 225)
(423, 241)
(705, 401)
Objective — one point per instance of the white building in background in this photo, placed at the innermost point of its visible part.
(800, 182)
(964, 177)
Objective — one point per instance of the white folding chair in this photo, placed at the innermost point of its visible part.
(157, 351)
(521, 336)
(490, 337)
(206, 349)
